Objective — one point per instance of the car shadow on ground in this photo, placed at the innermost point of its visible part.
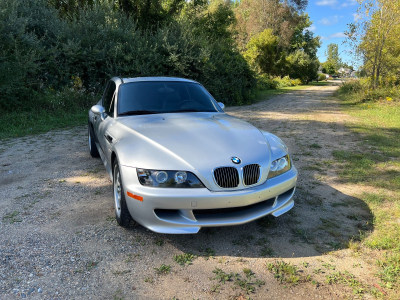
(318, 223)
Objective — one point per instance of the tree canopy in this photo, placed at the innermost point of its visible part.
(374, 39)
(51, 47)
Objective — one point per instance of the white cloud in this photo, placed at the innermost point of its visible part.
(326, 2)
(349, 3)
(312, 28)
(337, 35)
(330, 20)
(334, 35)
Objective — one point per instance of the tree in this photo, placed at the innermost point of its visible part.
(148, 14)
(298, 59)
(263, 54)
(374, 38)
(212, 18)
(332, 56)
(302, 66)
(254, 16)
(304, 39)
(328, 68)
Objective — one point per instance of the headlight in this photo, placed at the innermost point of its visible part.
(279, 166)
(168, 179)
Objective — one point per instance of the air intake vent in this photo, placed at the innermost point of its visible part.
(251, 174)
(227, 177)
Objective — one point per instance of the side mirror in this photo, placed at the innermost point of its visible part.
(98, 110)
(221, 105)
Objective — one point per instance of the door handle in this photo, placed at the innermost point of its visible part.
(108, 138)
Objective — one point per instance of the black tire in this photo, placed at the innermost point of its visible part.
(122, 214)
(92, 145)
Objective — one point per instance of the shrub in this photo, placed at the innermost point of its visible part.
(43, 54)
(360, 91)
(270, 83)
(321, 77)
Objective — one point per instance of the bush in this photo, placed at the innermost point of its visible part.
(43, 54)
(270, 83)
(321, 77)
(360, 91)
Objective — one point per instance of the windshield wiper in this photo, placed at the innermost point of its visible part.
(138, 112)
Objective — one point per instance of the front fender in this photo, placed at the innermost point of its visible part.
(277, 146)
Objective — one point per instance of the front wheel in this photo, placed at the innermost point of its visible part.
(122, 214)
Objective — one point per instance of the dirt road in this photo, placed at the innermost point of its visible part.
(59, 239)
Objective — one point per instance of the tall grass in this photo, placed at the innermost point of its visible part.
(376, 165)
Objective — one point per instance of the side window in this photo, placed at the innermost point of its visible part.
(108, 98)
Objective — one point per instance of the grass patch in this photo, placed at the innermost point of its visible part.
(159, 242)
(149, 279)
(376, 164)
(221, 276)
(319, 83)
(248, 283)
(91, 265)
(347, 279)
(12, 218)
(163, 269)
(315, 146)
(243, 240)
(390, 269)
(284, 272)
(208, 253)
(266, 94)
(185, 258)
(303, 234)
(26, 123)
(266, 251)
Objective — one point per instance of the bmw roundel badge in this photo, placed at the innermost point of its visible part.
(236, 160)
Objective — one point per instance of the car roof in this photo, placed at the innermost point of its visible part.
(137, 79)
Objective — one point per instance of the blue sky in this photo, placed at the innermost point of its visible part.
(330, 19)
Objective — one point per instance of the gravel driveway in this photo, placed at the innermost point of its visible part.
(59, 238)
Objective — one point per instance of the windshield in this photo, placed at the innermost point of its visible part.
(150, 97)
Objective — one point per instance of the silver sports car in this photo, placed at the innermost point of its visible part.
(178, 162)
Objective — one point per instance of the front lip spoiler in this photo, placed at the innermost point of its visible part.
(278, 206)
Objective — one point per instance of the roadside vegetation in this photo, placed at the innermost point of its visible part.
(376, 166)
(374, 102)
(56, 56)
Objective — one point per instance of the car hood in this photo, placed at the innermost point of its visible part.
(196, 142)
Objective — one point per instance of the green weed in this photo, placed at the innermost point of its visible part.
(221, 276)
(159, 242)
(91, 265)
(185, 258)
(11, 217)
(347, 279)
(163, 269)
(284, 272)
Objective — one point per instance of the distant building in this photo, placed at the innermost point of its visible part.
(345, 72)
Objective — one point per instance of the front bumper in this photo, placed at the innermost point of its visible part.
(180, 211)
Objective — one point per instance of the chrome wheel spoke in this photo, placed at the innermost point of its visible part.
(117, 193)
